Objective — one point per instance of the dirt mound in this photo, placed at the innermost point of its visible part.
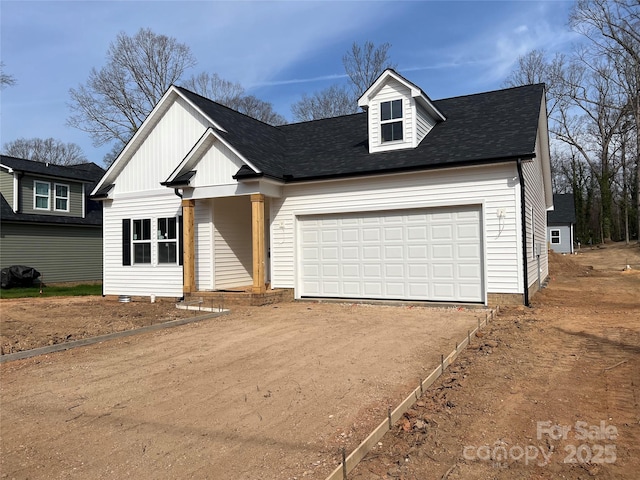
(565, 265)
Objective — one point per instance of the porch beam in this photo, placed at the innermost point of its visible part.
(189, 246)
(257, 234)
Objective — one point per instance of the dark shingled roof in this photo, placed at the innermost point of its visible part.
(481, 128)
(90, 173)
(86, 172)
(564, 210)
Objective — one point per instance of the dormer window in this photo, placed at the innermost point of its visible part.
(391, 120)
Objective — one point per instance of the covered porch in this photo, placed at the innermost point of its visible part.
(217, 272)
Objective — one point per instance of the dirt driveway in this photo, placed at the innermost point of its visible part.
(262, 393)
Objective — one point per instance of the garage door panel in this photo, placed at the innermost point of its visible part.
(330, 253)
(426, 254)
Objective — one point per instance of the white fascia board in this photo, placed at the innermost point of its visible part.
(121, 160)
(9, 169)
(416, 92)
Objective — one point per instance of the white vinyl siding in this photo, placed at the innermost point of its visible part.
(424, 124)
(536, 217)
(204, 245)
(493, 187)
(165, 147)
(232, 242)
(162, 280)
(393, 90)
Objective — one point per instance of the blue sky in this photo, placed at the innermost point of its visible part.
(276, 50)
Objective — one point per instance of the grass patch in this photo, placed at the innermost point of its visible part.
(52, 291)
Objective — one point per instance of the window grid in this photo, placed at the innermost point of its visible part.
(555, 237)
(167, 240)
(61, 197)
(391, 121)
(141, 241)
(41, 195)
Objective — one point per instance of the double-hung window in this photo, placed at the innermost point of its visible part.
(61, 197)
(391, 120)
(142, 241)
(41, 195)
(555, 237)
(167, 240)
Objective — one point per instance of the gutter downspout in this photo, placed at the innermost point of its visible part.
(523, 214)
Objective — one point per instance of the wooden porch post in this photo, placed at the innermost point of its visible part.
(257, 234)
(189, 244)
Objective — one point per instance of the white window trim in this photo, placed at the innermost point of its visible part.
(166, 240)
(135, 241)
(55, 197)
(392, 120)
(36, 195)
(558, 236)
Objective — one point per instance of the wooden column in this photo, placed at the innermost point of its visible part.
(189, 246)
(257, 234)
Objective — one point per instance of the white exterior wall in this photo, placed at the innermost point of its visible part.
(493, 187)
(142, 279)
(138, 195)
(217, 167)
(232, 242)
(204, 244)
(536, 218)
(393, 90)
(424, 124)
(167, 144)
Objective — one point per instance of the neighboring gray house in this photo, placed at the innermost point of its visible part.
(560, 223)
(48, 221)
(412, 199)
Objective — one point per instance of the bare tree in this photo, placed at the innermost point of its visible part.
(330, 102)
(364, 64)
(613, 27)
(117, 98)
(215, 88)
(46, 150)
(6, 80)
(232, 95)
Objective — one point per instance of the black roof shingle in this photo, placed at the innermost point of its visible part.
(481, 128)
(564, 210)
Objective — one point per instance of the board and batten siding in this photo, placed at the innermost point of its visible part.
(217, 167)
(164, 148)
(142, 279)
(6, 187)
(393, 90)
(232, 242)
(61, 253)
(492, 187)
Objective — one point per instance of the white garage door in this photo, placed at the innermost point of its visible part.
(426, 254)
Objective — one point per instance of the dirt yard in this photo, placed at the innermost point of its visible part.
(27, 323)
(265, 392)
(551, 391)
(548, 392)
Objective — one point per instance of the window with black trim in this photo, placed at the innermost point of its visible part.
(61, 197)
(142, 241)
(555, 237)
(391, 120)
(167, 240)
(41, 195)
